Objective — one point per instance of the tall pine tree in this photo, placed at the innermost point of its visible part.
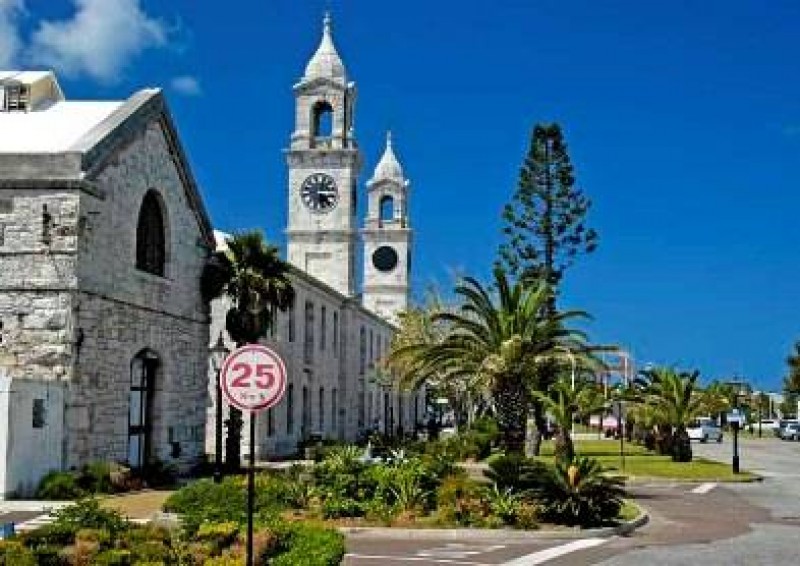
(545, 225)
(545, 230)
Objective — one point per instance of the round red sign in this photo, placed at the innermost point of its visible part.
(253, 378)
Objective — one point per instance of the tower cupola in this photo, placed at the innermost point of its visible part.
(326, 63)
(389, 168)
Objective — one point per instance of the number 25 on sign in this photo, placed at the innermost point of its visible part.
(253, 378)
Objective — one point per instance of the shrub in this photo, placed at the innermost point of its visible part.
(504, 504)
(205, 500)
(59, 486)
(305, 545)
(114, 558)
(95, 477)
(460, 500)
(87, 514)
(578, 493)
(517, 472)
(160, 474)
(218, 535)
(13, 553)
(334, 507)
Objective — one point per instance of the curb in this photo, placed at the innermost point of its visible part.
(391, 533)
(656, 479)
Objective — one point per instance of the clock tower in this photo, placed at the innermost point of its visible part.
(387, 238)
(324, 161)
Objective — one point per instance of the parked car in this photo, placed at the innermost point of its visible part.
(790, 432)
(768, 424)
(704, 429)
(783, 423)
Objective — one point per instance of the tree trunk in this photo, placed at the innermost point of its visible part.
(564, 449)
(538, 417)
(511, 403)
(681, 445)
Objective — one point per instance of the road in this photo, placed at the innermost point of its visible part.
(709, 524)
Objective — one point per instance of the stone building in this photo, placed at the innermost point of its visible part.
(334, 337)
(103, 236)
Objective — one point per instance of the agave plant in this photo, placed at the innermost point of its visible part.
(504, 504)
(579, 493)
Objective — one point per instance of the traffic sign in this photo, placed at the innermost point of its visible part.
(253, 378)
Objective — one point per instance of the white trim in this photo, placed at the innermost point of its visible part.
(543, 556)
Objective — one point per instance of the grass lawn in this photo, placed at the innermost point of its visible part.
(699, 469)
(595, 448)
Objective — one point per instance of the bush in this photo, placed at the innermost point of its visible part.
(59, 486)
(218, 535)
(517, 472)
(87, 514)
(334, 507)
(578, 493)
(460, 500)
(205, 500)
(13, 553)
(95, 477)
(114, 558)
(305, 545)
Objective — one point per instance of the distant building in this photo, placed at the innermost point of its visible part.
(335, 336)
(103, 236)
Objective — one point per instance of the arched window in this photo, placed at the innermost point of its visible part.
(335, 411)
(140, 408)
(322, 125)
(387, 209)
(290, 409)
(321, 410)
(151, 249)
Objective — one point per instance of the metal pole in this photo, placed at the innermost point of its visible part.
(218, 435)
(621, 435)
(251, 488)
(736, 447)
(759, 417)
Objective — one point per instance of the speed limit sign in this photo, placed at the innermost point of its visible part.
(253, 378)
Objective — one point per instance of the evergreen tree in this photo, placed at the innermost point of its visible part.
(545, 225)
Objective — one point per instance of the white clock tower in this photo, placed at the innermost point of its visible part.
(324, 162)
(387, 238)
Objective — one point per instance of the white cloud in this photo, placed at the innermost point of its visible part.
(10, 10)
(187, 85)
(99, 40)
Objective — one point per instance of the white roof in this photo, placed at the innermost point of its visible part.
(25, 77)
(53, 129)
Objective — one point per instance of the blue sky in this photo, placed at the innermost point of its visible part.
(682, 118)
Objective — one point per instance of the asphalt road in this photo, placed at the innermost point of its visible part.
(709, 524)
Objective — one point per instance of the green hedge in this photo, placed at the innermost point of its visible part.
(306, 545)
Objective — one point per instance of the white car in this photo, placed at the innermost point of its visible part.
(704, 430)
(790, 432)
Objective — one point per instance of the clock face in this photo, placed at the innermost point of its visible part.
(319, 192)
(384, 258)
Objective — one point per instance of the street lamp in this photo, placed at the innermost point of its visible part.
(218, 352)
(740, 392)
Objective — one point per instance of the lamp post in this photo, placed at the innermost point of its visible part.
(740, 392)
(218, 352)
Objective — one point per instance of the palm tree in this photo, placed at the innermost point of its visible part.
(255, 280)
(496, 342)
(565, 403)
(679, 401)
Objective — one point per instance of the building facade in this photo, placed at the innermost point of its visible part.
(334, 338)
(103, 237)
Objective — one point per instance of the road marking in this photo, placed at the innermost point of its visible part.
(704, 487)
(458, 550)
(34, 523)
(550, 553)
(405, 559)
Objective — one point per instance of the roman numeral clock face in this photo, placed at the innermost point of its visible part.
(319, 193)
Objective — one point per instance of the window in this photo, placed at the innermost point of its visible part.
(335, 410)
(1, 331)
(308, 351)
(362, 363)
(150, 237)
(290, 409)
(371, 347)
(2, 234)
(321, 409)
(322, 125)
(15, 97)
(335, 332)
(38, 413)
(323, 319)
(306, 412)
(290, 323)
(387, 209)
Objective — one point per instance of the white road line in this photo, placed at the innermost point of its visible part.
(550, 553)
(704, 487)
(405, 559)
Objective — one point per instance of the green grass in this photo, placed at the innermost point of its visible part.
(699, 469)
(629, 511)
(596, 448)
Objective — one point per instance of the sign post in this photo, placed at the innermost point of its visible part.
(253, 378)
